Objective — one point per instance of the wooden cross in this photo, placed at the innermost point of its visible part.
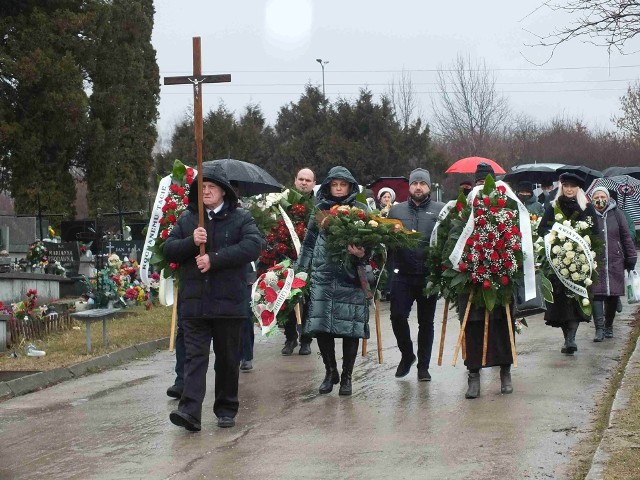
(196, 79)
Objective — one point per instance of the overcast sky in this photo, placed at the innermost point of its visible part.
(270, 49)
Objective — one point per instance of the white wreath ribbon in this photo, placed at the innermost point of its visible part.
(153, 229)
(282, 297)
(292, 230)
(441, 216)
(574, 236)
(524, 224)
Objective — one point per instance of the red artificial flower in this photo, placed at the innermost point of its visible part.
(172, 219)
(276, 267)
(507, 236)
(470, 241)
(479, 212)
(488, 245)
(501, 189)
(500, 245)
(190, 172)
(515, 230)
(185, 201)
(494, 256)
(270, 294)
(164, 234)
(280, 283)
(267, 317)
(505, 280)
(181, 191)
(459, 206)
(508, 264)
(298, 283)
(362, 215)
(482, 222)
(476, 237)
(443, 268)
(494, 209)
(470, 257)
(478, 247)
(515, 247)
(173, 266)
(501, 202)
(474, 278)
(475, 202)
(504, 255)
(481, 256)
(262, 285)
(486, 284)
(173, 187)
(501, 227)
(491, 236)
(482, 269)
(494, 268)
(163, 221)
(462, 267)
(486, 201)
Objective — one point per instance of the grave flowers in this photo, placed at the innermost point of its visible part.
(37, 255)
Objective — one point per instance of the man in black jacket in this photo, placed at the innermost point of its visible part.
(212, 294)
(418, 213)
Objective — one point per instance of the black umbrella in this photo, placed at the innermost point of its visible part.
(616, 171)
(589, 174)
(250, 178)
(534, 173)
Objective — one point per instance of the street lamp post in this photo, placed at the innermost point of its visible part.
(322, 64)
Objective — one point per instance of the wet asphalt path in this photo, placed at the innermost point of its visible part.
(115, 424)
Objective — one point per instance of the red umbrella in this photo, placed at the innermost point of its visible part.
(469, 165)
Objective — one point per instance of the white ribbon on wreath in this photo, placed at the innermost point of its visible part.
(292, 231)
(282, 297)
(441, 216)
(524, 224)
(574, 236)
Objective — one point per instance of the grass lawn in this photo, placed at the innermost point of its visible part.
(68, 348)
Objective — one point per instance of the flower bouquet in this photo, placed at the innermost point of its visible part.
(569, 255)
(174, 204)
(345, 225)
(282, 218)
(275, 294)
(37, 256)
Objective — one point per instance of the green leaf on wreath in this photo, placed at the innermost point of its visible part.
(179, 171)
(547, 288)
(458, 279)
(489, 296)
(489, 185)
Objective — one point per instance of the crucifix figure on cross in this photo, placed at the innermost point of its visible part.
(196, 80)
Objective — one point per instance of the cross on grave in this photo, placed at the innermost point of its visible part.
(109, 247)
(196, 80)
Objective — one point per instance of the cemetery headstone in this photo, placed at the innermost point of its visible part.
(67, 253)
(125, 248)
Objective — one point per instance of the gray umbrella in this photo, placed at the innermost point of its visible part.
(616, 171)
(250, 178)
(589, 174)
(534, 173)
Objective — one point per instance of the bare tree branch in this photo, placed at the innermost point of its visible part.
(469, 110)
(403, 98)
(606, 23)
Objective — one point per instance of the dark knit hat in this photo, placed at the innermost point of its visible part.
(420, 175)
(572, 177)
(524, 186)
(482, 170)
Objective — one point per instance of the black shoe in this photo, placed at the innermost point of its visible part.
(246, 365)
(619, 306)
(185, 420)
(226, 422)
(305, 349)
(506, 386)
(608, 332)
(289, 345)
(174, 392)
(405, 366)
(345, 385)
(330, 379)
(423, 374)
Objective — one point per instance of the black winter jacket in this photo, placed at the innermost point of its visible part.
(421, 218)
(233, 241)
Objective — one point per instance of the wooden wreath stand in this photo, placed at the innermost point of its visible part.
(378, 334)
(486, 334)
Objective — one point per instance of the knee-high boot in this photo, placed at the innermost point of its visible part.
(349, 353)
(609, 315)
(474, 385)
(598, 320)
(505, 379)
(327, 346)
(572, 328)
(564, 345)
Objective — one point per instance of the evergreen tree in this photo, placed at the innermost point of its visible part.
(123, 105)
(42, 103)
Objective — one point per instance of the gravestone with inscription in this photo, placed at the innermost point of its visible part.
(124, 248)
(67, 253)
(22, 232)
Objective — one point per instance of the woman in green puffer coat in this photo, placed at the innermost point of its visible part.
(339, 307)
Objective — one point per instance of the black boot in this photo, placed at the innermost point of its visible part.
(349, 353)
(598, 320)
(474, 385)
(564, 345)
(608, 328)
(571, 338)
(505, 379)
(327, 347)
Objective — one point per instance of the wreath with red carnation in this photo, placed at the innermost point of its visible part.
(175, 203)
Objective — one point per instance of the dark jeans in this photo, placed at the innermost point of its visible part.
(248, 337)
(291, 326)
(198, 333)
(405, 289)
